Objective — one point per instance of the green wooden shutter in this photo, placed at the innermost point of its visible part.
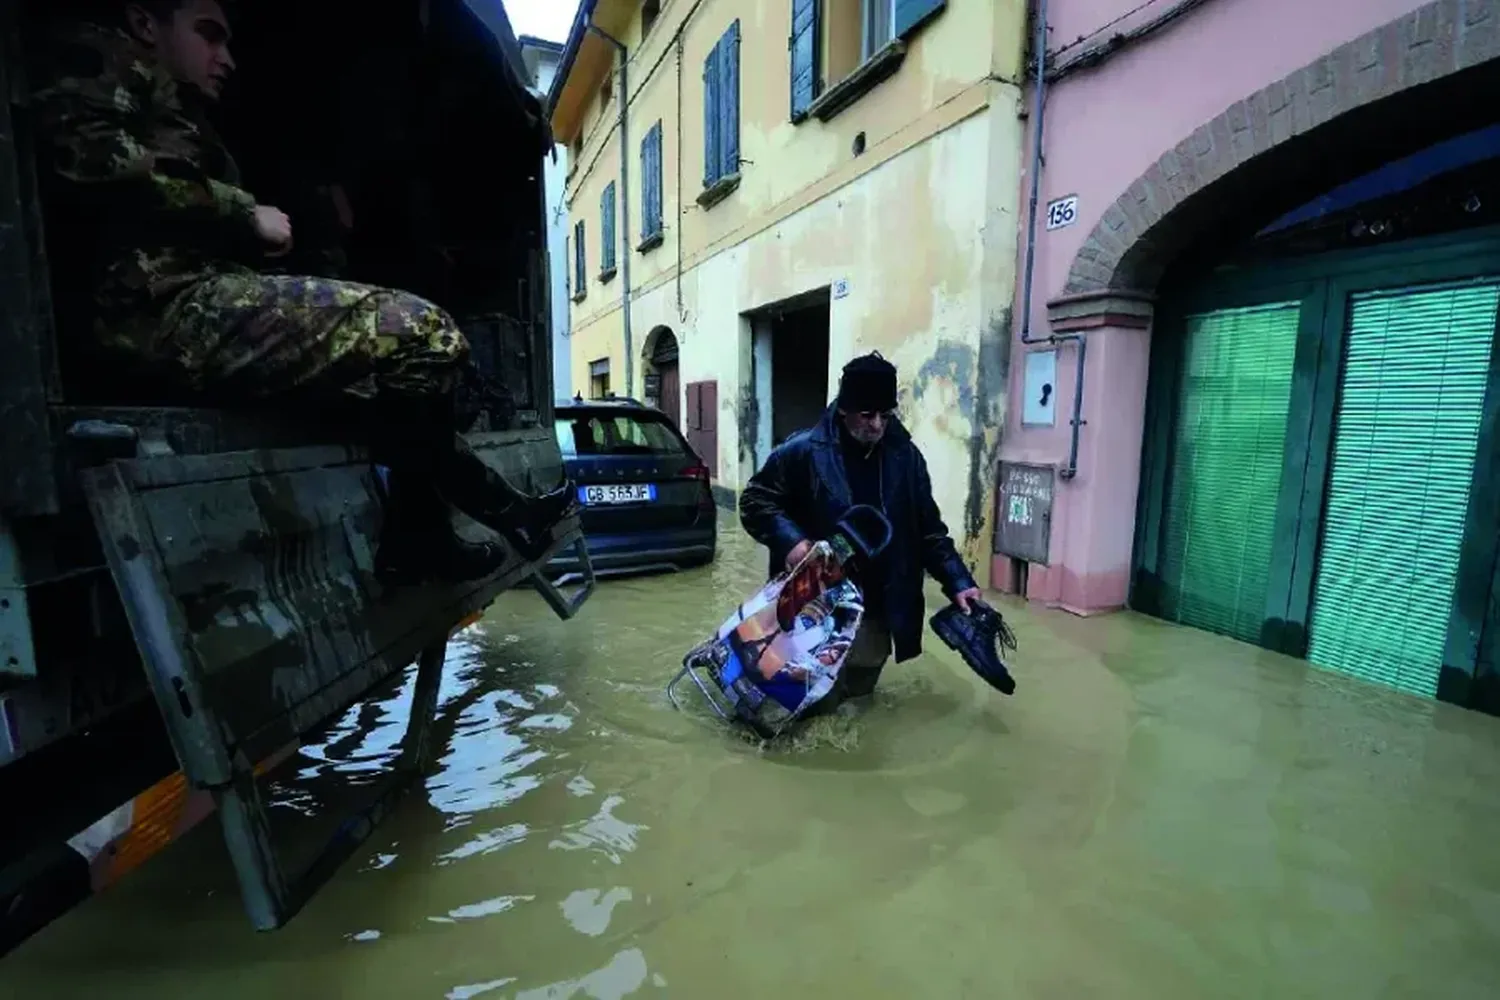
(803, 49)
(911, 14)
(711, 110)
(1218, 526)
(1415, 370)
(729, 101)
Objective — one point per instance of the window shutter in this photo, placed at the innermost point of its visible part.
(567, 271)
(803, 45)
(911, 14)
(607, 228)
(708, 399)
(646, 185)
(729, 101)
(651, 182)
(580, 275)
(711, 82)
(656, 180)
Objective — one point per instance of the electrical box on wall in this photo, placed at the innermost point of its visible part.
(1039, 389)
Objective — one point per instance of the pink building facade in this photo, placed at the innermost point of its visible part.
(1174, 134)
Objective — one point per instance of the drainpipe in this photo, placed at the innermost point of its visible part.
(624, 235)
(1038, 115)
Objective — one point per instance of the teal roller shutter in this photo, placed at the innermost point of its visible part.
(1407, 429)
(1219, 523)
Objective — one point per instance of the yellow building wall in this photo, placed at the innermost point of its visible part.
(921, 225)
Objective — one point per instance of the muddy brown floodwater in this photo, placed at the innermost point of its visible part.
(1157, 813)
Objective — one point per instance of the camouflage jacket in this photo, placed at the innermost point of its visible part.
(147, 195)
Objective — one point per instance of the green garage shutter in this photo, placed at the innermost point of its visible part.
(1403, 455)
(1219, 522)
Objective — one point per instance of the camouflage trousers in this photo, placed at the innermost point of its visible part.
(250, 336)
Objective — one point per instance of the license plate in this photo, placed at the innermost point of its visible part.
(597, 495)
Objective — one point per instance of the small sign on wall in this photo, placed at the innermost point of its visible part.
(1023, 528)
(841, 288)
(1062, 212)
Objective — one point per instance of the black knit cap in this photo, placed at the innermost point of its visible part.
(868, 383)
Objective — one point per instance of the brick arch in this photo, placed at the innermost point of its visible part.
(1296, 138)
(654, 340)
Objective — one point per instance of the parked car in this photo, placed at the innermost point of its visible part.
(646, 500)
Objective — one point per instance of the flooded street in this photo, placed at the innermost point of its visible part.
(1157, 813)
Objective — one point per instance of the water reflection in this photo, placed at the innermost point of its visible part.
(1157, 814)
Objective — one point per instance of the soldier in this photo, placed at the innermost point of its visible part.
(177, 254)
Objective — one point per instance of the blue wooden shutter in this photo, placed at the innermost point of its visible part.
(910, 14)
(729, 101)
(803, 45)
(651, 182)
(711, 158)
(646, 184)
(607, 228)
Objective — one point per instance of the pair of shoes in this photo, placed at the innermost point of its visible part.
(978, 638)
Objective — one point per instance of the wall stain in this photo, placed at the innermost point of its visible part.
(979, 377)
(749, 421)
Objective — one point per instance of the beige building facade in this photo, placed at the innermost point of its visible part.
(793, 183)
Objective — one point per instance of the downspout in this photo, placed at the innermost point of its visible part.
(681, 316)
(1038, 115)
(624, 234)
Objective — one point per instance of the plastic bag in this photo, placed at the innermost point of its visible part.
(781, 652)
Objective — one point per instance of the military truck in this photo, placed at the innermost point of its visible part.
(188, 591)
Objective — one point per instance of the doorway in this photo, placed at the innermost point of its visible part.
(663, 385)
(790, 364)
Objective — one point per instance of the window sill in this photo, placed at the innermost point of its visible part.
(719, 190)
(870, 74)
(579, 297)
(649, 243)
(607, 275)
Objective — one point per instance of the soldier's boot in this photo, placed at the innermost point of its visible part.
(418, 544)
(420, 436)
(485, 495)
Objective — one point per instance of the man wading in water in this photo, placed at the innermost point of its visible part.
(859, 453)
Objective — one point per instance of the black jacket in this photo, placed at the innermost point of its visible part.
(802, 491)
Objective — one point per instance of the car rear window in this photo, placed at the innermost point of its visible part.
(615, 434)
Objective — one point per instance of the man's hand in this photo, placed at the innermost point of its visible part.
(965, 598)
(798, 553)
(272, 226)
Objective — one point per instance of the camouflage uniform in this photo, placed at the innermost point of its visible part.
(180, 284)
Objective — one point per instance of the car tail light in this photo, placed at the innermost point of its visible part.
(698, 472)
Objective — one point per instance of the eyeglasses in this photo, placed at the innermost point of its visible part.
(871, 415)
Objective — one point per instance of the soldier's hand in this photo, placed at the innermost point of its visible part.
(272, 226)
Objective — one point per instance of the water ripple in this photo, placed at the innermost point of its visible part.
(484, 908)
(589, 913)
(604, 832)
